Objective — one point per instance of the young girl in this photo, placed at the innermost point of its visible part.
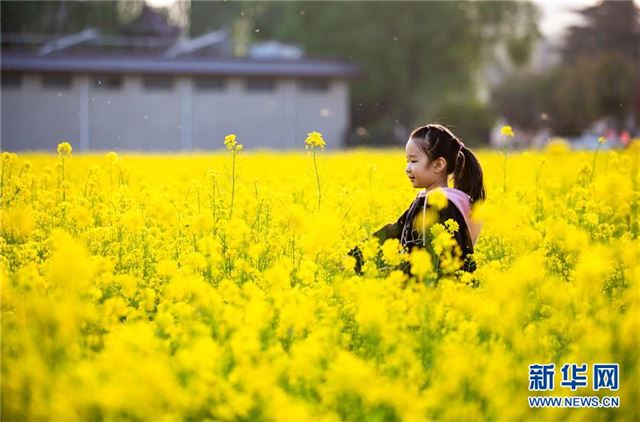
(433, 153)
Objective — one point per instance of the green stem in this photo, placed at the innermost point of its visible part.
(2, 180)
(86, 183)
(315, 166)
(233, 183)
(504, 168)
(213, 199)
(593, 166)
(62, 181)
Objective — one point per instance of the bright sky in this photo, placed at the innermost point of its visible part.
(556, 14)
(159, 3)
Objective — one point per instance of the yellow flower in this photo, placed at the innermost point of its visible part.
(602, 140)
(348, 263)
(212, 174)
(420, 262)
(230, 141)
(451, 225)
(506, 131)
(314, 140)
(112, 156)
(391, 251)
(7, 157)
(557, 146)
(17, 222)
(437, 198)
(64, 148)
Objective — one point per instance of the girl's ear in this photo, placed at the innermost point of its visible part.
(440, 164)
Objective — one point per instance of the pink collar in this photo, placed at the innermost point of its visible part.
(462, 201)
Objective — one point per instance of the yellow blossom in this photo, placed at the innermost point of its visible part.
(111, 156)
(258, 314)
(506, 130)
(64, 149)
(314, 140)
(437, 198)
(420, 261)
(231, 144)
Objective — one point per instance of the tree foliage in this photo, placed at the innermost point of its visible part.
(417, 56)
(610, 26)
(570, 97)
(598, 76)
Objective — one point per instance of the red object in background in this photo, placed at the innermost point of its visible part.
(625, 137)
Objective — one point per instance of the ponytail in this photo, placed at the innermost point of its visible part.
(437, 141)
(467, 175)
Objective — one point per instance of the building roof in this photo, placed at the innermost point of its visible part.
(150, 45)
(180, 66)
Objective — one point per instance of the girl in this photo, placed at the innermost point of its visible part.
(433, 153)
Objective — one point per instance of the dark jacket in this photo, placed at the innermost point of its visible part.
(403, 230)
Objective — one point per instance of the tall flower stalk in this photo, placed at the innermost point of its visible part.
(231, 144)
(313, 142)
(64, 151)
(506, 132)
(601, 141)
(112, 157)
(8, 159)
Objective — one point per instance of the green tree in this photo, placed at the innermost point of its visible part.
(611, 27)
(417, 55)
(570, 97)
(63, 17)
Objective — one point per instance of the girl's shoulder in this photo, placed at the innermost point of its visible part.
(459, 198)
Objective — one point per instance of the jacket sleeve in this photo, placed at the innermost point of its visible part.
(388, 231)
(391, 230)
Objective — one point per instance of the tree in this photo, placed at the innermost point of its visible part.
(611, 27)
(417, 55)
(61, 17)
(207, 16)
(570, 97)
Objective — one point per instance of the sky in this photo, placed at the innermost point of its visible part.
(556, 14)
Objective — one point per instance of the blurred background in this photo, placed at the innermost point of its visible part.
(168, 75)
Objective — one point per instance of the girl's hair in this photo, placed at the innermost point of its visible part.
(437, 141)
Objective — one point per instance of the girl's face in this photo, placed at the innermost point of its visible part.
(421, 172)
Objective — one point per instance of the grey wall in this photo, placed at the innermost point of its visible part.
(37, 118)
(134, 118)
(183, 117)
(324, 113)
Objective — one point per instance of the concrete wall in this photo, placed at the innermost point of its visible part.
(185, 117)
(327, 113)
(134, 118)
(37, 118)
